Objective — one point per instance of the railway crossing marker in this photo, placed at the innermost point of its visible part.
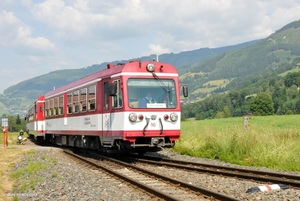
(267, 188)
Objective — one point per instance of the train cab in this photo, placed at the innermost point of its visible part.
(35, 119)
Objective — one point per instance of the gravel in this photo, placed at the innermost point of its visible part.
(65, 179)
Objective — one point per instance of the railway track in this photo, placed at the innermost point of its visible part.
(261, 176)
(158, 185)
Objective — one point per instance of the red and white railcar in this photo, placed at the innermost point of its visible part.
(35, 119)
(108, 109)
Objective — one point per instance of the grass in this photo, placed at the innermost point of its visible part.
(24, 179)
(290, 71)
(28, 176)
(218, 83)
(271, 141)
(9, 156)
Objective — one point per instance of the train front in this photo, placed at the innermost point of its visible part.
(152, 117)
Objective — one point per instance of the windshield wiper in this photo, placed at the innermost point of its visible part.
(162, 84)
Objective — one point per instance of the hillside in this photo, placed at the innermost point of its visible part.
(270, 55)
(205, 71)
(28, 90)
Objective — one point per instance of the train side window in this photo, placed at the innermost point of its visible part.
(55, 109)
(36, 110)
(61, 105)
(118, 98)
(106, 96)
(83, 100)
(92, 105)
(76, 101)
(51, 107)
(30, 114)
(70, 103)
(92, 98)
(47, 108)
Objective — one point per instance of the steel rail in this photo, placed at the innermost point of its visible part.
(204, 191)
(264, 176)
(125, 178)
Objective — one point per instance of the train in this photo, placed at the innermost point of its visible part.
(111, 109)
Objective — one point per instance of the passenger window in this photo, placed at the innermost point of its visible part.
(70, 104)
(92, 98)
(55, 111)
(76, 101)
(83, 100)
(61, 105)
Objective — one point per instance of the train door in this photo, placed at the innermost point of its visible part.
(106, 115)
(36, 117)
(41, 116)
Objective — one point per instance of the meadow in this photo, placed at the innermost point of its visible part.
(268, 141)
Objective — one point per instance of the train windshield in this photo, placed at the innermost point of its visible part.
(151, 93)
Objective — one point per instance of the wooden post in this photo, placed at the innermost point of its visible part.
(245, 120)
(5, 136)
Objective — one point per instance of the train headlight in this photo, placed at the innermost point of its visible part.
(132, 117)
(150, 67)
(173, 117)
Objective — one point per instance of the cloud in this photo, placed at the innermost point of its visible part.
(188, 23)
(17, 35)
(157, 49)
(8, 26)
(33, 45)
(44, 35)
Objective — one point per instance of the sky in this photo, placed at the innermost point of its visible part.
(41, 36)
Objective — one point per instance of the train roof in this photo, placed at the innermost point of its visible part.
(134, 67)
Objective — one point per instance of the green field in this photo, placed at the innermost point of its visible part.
(269, 141)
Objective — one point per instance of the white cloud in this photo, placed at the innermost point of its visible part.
(23, 38)
(15, 34)
(8, 26)
(45, 35)
(157, 49)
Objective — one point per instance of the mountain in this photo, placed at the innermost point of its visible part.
(270, 55)
(205, 71)
(18, 97)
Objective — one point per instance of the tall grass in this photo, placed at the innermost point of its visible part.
(272, 141)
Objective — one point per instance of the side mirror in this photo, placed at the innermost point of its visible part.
(185, 91)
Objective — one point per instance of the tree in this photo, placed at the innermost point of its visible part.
(262, 105)
(226, 112)
(14, 125)
(297, 106)
(18, 120)
(292, 79)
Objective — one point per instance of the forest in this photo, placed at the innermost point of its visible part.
(271, 95)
